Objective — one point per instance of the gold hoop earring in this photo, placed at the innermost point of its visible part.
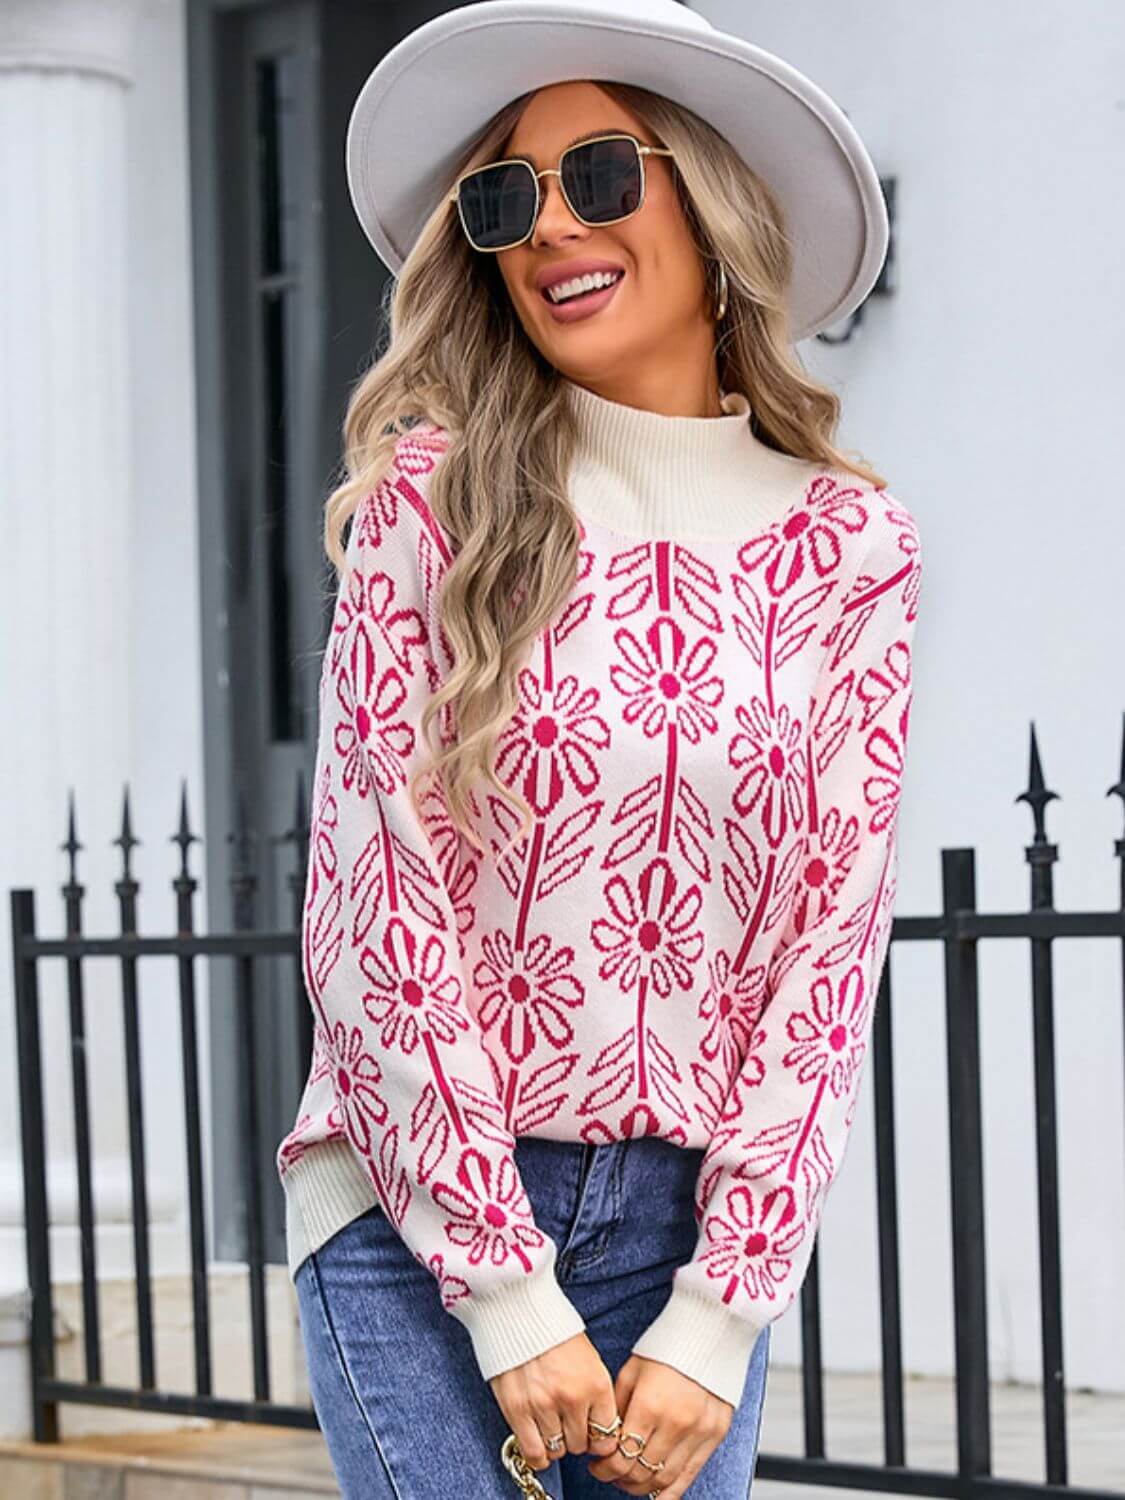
(724, 289)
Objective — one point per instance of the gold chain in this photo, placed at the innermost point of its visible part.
(518, 1467)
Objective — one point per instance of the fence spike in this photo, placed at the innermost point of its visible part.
(71, 845)
(1038, 794)
(1118, 787)
(125, 840)
(183, 835)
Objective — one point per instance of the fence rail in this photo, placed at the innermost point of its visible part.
(958, 928)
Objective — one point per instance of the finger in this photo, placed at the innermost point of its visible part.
(551, 1424)
(626, 1381)
(573, 1426)
(617, 1465)
(682, 1464)
(604, 1412)
(525, 1425)
(643, 1480)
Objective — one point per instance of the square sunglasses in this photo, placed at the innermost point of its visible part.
(602, 180)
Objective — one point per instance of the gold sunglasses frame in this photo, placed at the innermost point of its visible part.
(509, 161)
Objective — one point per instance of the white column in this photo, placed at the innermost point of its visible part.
(65, 535)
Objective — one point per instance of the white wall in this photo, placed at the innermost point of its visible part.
(988, 391)
(151, 698)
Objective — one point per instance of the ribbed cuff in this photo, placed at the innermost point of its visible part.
(514, 1322)
(325, 1189)
(704, 1340)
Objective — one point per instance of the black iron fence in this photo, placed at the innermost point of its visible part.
(958, 928)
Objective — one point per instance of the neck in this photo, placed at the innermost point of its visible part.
(644, 474)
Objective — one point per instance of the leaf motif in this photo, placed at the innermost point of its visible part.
(692, 581)
(690, 825)
(665, 1074)
(769, 1150)
(429, 1121)
(562, 859)
(575, 613)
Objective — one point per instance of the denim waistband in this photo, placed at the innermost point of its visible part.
(583, 1195)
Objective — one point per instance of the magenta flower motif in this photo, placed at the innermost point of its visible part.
(552, 739)
(356, 1076)
(829, 855)
(411, 986)
(524, 992)
(771, 754)
(489, 1209)
(652, 926)
(730, 1007)
(753, 1239)
(828, 1035)
(810, 538)
(664, 680)
(372, 740)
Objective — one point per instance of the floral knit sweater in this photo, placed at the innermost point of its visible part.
(712, 736)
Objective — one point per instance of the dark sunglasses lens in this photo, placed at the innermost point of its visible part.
(498, 205)
(603, 180)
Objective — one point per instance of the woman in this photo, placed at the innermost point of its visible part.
(592, 996)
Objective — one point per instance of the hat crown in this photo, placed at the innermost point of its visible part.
(663, 12)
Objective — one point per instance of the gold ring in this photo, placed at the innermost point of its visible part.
(599, 1430)
(624, 1451)
(554, 1442)
(655, 1468)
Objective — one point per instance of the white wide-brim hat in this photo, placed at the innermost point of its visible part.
(432, 93)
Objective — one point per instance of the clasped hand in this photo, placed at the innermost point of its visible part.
(559, 1390)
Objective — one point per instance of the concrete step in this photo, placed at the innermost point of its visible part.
(222, 1461)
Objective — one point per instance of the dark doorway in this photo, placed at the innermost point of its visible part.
(287, 315)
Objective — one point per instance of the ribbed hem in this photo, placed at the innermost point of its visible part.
(514, 1322)
(702, 1339)
(325, 1189)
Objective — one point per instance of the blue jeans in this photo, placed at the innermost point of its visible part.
(401, 1401)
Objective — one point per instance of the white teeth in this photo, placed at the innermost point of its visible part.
(579, 284)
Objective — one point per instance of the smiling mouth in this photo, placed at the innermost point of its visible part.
(580, 296)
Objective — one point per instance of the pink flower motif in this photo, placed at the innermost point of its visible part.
(552, 738)
(525, 992)
(490, 1210)
(753, 1240)
(810, 536)
(828, 1037)
(665, 680)
(730, 1006)
(654, 928)
(355, 1077)
(373, 739)
(771, 753)
(411, 986)
(829, 855)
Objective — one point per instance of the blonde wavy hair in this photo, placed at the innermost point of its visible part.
(458, 356)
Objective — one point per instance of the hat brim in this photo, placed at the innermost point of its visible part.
(429, 97)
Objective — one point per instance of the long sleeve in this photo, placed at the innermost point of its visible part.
(414, 1091)
(781, 1136)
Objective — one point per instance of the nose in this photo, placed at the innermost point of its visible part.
(555, 221)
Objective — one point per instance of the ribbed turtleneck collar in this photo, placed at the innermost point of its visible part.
(643, 474)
